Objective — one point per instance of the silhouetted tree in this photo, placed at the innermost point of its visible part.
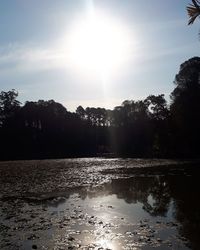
(158, 107)
(143, 128)
(159, 116)
(8, 105)
(80, 111)
(185, 108)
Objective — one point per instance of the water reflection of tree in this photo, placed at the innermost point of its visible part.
(156, 194)
(139, 189)
(160, 198)
(186, 192)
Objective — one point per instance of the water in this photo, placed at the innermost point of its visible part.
(99, 204)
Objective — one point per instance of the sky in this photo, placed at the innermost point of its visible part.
(93, 52)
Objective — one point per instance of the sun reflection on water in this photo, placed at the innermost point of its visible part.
(105, 243)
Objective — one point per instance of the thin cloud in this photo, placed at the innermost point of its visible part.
(30, 58)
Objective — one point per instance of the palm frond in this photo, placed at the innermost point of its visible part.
(193, 11)
(196, 3)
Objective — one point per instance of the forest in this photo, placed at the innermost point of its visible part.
(151, 127)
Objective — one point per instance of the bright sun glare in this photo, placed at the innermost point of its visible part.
(98, 43)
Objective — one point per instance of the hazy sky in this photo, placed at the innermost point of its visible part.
(34, 49)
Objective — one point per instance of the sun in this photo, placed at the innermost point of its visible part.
(98, 43)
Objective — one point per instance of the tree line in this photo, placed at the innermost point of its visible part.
(145, 128)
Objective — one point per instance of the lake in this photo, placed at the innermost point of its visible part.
(97, 203)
